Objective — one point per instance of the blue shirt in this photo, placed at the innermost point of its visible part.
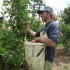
(52, 30)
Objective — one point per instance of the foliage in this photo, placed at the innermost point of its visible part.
(65, 28)
(35, 26)
(16, 10)
(12, 40)
(37, 1)
(11, 49)
(65, 40)
(65, 15)
(34, 5)
(35, 23)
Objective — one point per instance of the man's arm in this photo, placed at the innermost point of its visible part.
(46, 41)
(53, 38)
(31, 32)
(26, 28)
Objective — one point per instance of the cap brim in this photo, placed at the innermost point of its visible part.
(40, 11)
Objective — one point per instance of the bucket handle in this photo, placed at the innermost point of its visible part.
(40, 52)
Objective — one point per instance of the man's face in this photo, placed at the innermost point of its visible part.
(44, 16)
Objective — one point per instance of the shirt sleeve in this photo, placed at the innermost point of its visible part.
(54, 32)
(37, 34)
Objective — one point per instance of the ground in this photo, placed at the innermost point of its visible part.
(61, 63)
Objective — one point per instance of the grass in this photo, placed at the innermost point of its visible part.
(60, 46)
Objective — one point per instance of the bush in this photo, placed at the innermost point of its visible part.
(66, 36)
(11, 50)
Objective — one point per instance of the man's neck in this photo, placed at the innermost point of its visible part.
(48, 21)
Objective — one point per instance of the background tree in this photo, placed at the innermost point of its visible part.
(12, 37)
(36, 24)
(65, 28)
(11, 40)
(65, 15)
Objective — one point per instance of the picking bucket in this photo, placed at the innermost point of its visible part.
(35, 55)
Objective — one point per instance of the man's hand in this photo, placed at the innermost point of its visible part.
(33, 41)
(38, 39)
(25, 27)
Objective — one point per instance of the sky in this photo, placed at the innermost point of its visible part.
(57, 5)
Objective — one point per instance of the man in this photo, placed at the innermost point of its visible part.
(52, 31)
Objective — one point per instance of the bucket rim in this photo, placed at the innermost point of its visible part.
(29, 43)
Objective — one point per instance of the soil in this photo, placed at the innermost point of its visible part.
(62, 61)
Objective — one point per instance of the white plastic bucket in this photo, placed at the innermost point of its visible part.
(34, 55)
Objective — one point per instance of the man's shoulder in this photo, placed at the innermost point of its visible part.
(54, 24)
